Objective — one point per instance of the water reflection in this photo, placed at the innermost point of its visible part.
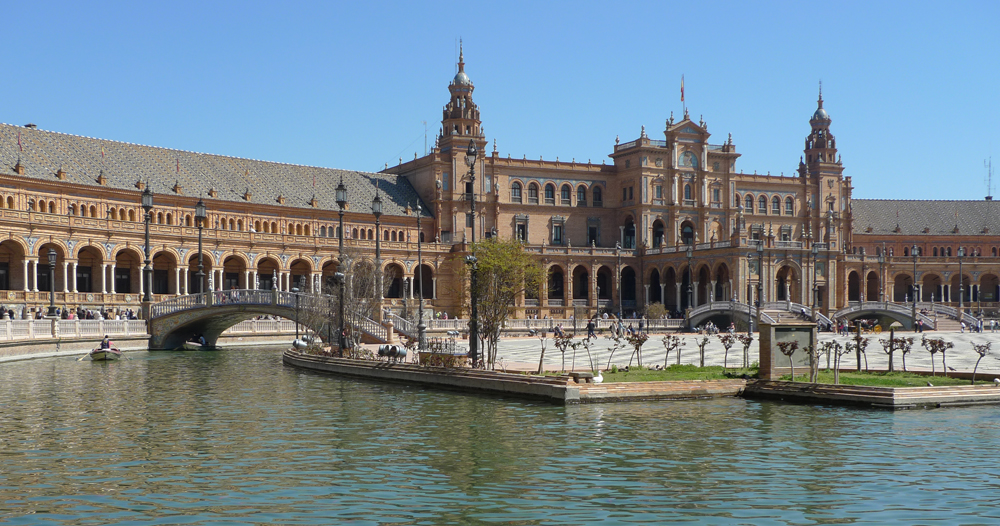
(236, 437)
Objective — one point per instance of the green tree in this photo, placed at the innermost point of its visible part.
(505, 271)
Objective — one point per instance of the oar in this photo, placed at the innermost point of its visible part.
(80, 359)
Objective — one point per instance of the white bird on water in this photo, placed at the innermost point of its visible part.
(599, 378)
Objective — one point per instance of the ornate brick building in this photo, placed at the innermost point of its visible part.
(666, 220)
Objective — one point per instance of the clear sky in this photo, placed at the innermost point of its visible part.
(911, 86)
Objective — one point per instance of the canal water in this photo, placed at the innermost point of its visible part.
(235, 437)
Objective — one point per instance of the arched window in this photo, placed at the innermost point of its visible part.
(307, 229)
(10, 202)
(188, 220)
(762, 204)
(239, 225)
(935, 251)
(515, 192)
(121, 214)
(393, 236)
(322, 231)
(789, 206)
(581, 196)
(566, 195)
(354, 233)
(748, 204)
(533, 194)
(170, 219)
(159, 217)
(687, 192)
(232, 224)
(598, 196)
(776, 205)
(371, 235)
(93, 211)
(131, 215)
(274, 227)
(906, 251)
(291, 229)
(949, 251)
(401, 236)
(72, 208)
(550, 194)
(298, 230)
(52, 207)
(256, 225)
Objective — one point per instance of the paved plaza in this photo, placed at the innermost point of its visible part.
(523, 353)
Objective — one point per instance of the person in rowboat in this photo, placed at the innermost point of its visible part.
(106, 342)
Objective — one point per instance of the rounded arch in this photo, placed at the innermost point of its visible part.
(659, 233)
(597, 195)
(902, 287)
(789, 206)
(300, 269)
(233, 272)
(394, 280)
(515, 191)
(654, 286)
(629, 233)
(762, 204)
(628, 293)
(550, 193)
(566, 195)
(556, 278)
(872, 286)
(164, 272)
(194, 285)
(605, 284)
(267, 267)
(687, 232)
(748, 204)
(127, 272)
(787, 282)
(533, 192)
(716, 231)
(723, 286)
(423, 282)
(12, 256)
(989, 287)
(46, 282)
(581, 283)
(933, 286)
(703, 276)
(581, 195)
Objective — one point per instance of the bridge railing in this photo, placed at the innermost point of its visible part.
(886, 306)
(722, 306)
(368, 325)
(403, 325)
(179, 303)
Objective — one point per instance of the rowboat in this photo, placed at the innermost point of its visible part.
(105, 354)
(196, 346)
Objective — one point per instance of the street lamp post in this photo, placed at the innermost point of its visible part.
(961, 284)
(815, 287)
(471, 155)
(341, 205)
(760, 277)
(690, 296)
(377, 212)
(295, 290)
(913, 311)
(147, 207)
(749, 294)
(881, 276)
(200, 215)
(52, 282)
(340, 280)
(618, 276)
(421, 326)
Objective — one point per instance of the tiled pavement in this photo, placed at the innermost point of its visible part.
(523, 353)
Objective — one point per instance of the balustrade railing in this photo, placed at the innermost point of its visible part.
(46, 329)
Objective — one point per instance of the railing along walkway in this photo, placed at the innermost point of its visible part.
(11, 330)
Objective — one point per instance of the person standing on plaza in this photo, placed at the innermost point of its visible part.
(591, 326)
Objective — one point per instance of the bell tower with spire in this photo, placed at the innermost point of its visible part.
(460, 121)
(820, 155)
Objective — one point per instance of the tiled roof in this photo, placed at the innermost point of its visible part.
(937, 217)
(123, 164)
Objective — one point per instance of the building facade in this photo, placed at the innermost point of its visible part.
(668, 220)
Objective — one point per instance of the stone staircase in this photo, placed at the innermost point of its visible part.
(782, 316)
(948, 324)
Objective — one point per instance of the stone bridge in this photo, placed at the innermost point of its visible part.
(903, 313)
(175, 320)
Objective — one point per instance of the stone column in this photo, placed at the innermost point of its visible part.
(75, 290)
(246, 279)
(568, 289)
(34, 274)
(253, 284)
(711, 291)
(26, 283)
(663, 294)
(694, 293)
(677, 292)
(177, 281)
(187, 283)
(104, 279)
(113, 277)
(409, 288)
(646, 287)
(434, 288)
(65, 266)
(142, 283)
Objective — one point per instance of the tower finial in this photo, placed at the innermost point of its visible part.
(461, 56)
(820, 94)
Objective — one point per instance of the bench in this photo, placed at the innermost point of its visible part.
(582, 378)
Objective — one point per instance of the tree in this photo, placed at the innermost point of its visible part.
(934, 346)
(982, 350)
(788, 349)
(905, 345)
(858, 345)
(563, 342)
(728, 340)
(504, 272)
(833, 347)
(636, 340)
(541, 358)
(702, 343)
(656, 311)
(747, 341)
(672, 343)
(618, 344)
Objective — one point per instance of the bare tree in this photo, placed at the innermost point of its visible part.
(728, 340)
(702, 343)
(982, 349)
(636, 340)
(672, 343)
(747, 341)
(788, 349)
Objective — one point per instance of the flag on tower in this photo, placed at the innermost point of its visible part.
(102, 152)
(682, 88)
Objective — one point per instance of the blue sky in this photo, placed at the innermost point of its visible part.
(911, 87)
